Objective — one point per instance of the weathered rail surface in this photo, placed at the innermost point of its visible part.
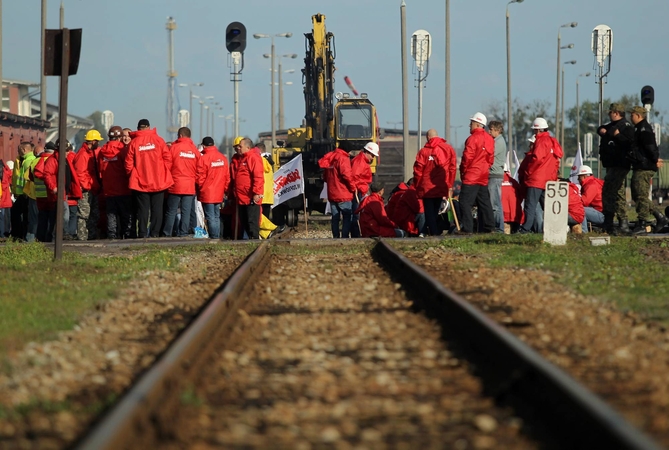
(558, 410)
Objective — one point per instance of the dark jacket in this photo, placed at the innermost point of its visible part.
(613, 150)
(644, 153)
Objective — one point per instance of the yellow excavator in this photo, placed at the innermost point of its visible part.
(330, 121)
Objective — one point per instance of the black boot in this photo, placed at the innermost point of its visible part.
(662, 221)
(608, 223)
(640, 228)
(624, 227)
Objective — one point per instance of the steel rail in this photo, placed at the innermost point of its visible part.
(514, 373)
(137, 416)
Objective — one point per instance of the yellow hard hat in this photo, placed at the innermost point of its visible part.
(93, 135)
(238, 140)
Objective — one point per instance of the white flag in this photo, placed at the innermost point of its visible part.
(288, 181)
(578, 162)
(515, 163)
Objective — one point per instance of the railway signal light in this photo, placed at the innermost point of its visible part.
(235, 37)
(647, 95)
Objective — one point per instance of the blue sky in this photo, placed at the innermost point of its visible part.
(124, 56)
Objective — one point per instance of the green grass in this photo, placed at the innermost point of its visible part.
(41, 297)
(630, 272)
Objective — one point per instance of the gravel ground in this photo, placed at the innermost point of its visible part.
(61, 385)
(333, 358)
(618, 355)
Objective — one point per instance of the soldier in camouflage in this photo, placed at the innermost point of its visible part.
(644, 157)
(616, 143)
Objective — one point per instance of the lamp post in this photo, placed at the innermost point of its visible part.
(190, 101)
(557, 82)
(573, 61)
(202, 114)
(509, 110)
(578, 111)
(270, 36)
(226, 141)
(282, 123)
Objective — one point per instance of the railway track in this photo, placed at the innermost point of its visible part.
(338, 355)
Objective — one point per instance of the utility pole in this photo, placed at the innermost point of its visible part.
(408, 163)
(172, 124)
(421, 49)
(602, 44)
(1, 89)
(42, 94)
(447, 99)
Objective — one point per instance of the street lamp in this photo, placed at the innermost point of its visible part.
(578, 110)
(270, 36)
(557, 82)
(509, 112)
(573, 61)
(191, 97)
(282, 123)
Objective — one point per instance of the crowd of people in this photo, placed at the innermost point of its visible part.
(487, 198)
(137, 185)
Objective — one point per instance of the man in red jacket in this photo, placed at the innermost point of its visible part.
(434, 174)
(362, 177)
(6, 198)
(591, 193)
(477, 157)
(374, 221)
(405, 209)
(213, 178)
(85, 163)
(185, 157)
(50, 177)
(117, 194)
(249, 186)
(575, 208)
(336, 167)
(148, 164)
(539, 166)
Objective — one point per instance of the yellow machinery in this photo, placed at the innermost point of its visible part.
(348, 124)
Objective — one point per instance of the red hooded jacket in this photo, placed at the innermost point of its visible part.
(512, 200)
(249, 176)
(87, 170)
(403, 207)
(51, 179)
(337, 174)
(361, 173)
(148, 162)
(373, 219)
(6, 199)
(434, 169)
(478, 156)
(111, 161)
(591, 192)
(541, 163)
(576, 209)
(185, 157)
(213, 176)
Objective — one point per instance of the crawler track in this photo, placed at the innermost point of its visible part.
(334, 355)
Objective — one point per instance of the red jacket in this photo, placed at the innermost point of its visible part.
(361, 173)
(148, 162)
(73, 191)
(512, 200)
(403, 207)
(591, 192)
(434, 169)
(373, 219)
(576, 209)
(213, 176)
(478, 156)
(541, 163)
(249, 177)
(6, 199)
(185, 156)
(337, 174)
(87, 170)
(111, 161)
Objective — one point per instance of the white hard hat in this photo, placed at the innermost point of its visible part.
(479, 118)
(373, 148)
(585, 170)
(10, 164)
(539, 124)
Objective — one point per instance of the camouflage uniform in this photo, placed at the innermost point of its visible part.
(614, 200)
(87, 216)
(640, 190)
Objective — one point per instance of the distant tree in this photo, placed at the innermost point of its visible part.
(523, 116)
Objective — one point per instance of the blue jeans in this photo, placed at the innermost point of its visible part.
(495, 191)
(533, 197)
(343, 210)
(32, 220)
(212, 214)
(355, 218)
(594, 217)
(174, 202)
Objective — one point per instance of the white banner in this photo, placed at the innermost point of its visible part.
(288, 181)
(578, 162)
